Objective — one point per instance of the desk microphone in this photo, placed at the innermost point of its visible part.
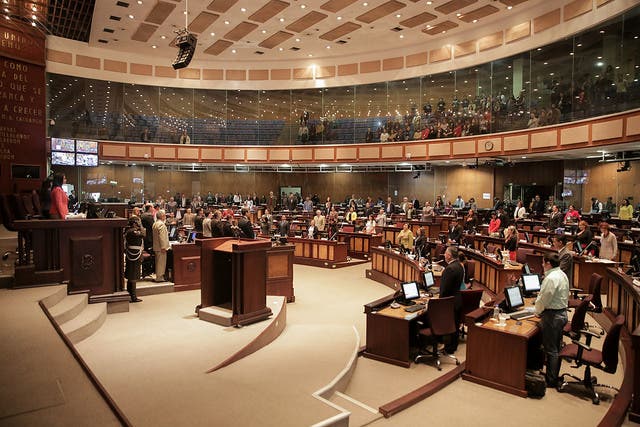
(586, 247)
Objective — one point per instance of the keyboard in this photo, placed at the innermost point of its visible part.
(521, 315)
(414, 308)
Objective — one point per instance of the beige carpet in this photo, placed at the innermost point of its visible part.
(152, 361)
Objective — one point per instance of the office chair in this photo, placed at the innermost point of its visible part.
(582, 354)
(574, 328)
(470, 301)
(521, 254)
(595, 285)
(441, 317)
(470, 272)
(535, 263)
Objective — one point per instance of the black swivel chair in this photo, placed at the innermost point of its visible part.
(582, 354)
(442, 322)
(595, 285)
(577, 325)
(470, 302)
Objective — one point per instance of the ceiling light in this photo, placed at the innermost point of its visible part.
(242, 9)
(154, 46)
(398, 15)
(328, 47)
(280, 49)
(509, 7)
(233, 51)
(226, 22)
(297, 40)
(163, 37)
(429, 2)
(365, 4)
(310, 55)
(475, 20)
(401, 36)
(281, 19)
(131, 16)
(303, 6)
(213, 34)
(339, 18)
(264, 31)
(139, 1)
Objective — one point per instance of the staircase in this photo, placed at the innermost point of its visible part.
(76, 317)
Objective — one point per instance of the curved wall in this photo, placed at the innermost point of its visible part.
(522, 31)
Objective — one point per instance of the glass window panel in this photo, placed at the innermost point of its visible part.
(371, 111)
(242, 117)
(437, 100)
(210, 109)
(306, 121)
(403, 107)
(509, 96)
(338, 107)
(141, 112)
(176, 114)
(627, 78)
(275, 112)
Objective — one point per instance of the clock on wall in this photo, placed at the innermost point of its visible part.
(488, 145)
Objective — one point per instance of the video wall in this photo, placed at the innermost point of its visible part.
(74, 152)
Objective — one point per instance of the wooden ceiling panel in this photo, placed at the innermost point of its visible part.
(241, 30)
(380, 11)
(440, 28)
(454, 5)
(221, 6)
(340, 31)
(336, 5)
(202, 22)
(418, 20)
(306, 21)
(218, 47)
(144, 32)
(269, 10)
(160, 12)
(512, 2)
(479, 13)
(275, 39)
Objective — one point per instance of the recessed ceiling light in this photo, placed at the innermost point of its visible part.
(475, 20)
(365, 4)
(280, 49)
(154, 46)
(281, 19)
(298, 40)
(226, 22)
(139, 1)
(401, 36)
(233, 51)
(264, 31)
(429, 2)
(163, 37)
(328, 47)
(509, 7)
(339, 18)
(310, 55)
(303, 6)
(242, 9)
(131, 16)
(398, 15)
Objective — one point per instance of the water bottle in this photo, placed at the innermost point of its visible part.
(496, 313)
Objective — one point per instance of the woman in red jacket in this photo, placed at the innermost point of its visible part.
(59, 200)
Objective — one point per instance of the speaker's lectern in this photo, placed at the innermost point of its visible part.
(234, 281)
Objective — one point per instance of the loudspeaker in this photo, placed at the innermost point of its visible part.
(187, 45)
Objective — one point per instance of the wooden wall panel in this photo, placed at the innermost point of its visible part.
(88, 62)
(417, 59)
(189, 73)
(210, 74)
(393, 63)
(115, 66)
(464, 49)
(347, 69)
(369, 153)
(574, 135)
(468, 183)
(606, 130)
(164, 153)
(392, 152)
(279, 155)
(139, 151)
(281, 74)
(438, 55)
(544, 139)
(234, 154)
(162, 71)
(113, 150)
(257, 154)
(633, 125)
(516, 142)
(546, 21)
(464, 147)
(577, 8)
(59, 56)
(416, 150)
(369, 67)
(485, 143)
(346, 153)
(442, 149)
(490, 41)
(211, 153)
(302, 154)
(235, 75)
(517, 32)
(188, 153)
(258, 74)
(141, 69)
(324, 153)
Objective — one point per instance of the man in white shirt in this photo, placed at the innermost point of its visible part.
(320, 220)
(551, 306)
(459, 202)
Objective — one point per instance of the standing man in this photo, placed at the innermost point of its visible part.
(320, 221)
(566, 258)
(245, 225)
(160, 245)
(184, 138)
(206, 224)
(284, 226)
(389, 207)
(551, 307)
(452, 278)
(147, 221)
(134, 246)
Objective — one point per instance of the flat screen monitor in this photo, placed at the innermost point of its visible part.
(192, 237)
(513, 298)
(526, 269)
(86, 159)
(62, 144)
(60, 158)
(87, 146)
(173, 232)
(530, 283)
(429, 280)
(410, 291)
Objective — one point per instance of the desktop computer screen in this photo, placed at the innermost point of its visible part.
(530, 283)
(429, 280)
(410, 291)
(513, 298)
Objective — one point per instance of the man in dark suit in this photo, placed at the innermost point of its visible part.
(450, 283)
(284, 226)
(455, 231)
(147, 221)
(245, 225)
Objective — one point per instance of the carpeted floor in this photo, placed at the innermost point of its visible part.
(153, 359)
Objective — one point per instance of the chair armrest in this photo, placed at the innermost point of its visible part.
(581, 345)
(575, 292)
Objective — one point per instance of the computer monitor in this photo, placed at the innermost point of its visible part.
(527, 237)
(526, 269)
(410, 291)
(530, 283)
(429, 280)
(173, 232)
(513, 298)
(192, 237)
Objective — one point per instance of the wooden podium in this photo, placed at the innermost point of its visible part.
(233, 282)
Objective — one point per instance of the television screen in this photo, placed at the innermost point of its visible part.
(410, 291)
(428, 279)
(86, 159)
(61, 144)
(87, 146)
(61, 158)
(531, 282)
(513, 297)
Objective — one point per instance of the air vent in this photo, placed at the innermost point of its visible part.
(122, 4)
(295, 49)
(341, 42)
(259, 52)
(397, 29)
(103, 41)
(115, 18)
(109, 30)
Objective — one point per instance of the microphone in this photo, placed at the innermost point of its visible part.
(586, 247)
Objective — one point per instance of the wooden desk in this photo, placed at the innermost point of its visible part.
(186, 266)
(319, 252)
(391, 333)
(359, 244)
(497, 356)
(391, 268)
(491, 273)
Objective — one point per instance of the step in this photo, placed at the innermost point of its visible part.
(68, 308)
(58, 294)
(86, 323)
(360, 414)
(145, 288)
